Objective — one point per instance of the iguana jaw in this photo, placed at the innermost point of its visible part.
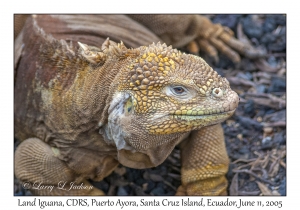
(185, 123)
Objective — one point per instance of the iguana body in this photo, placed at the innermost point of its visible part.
(83, 110)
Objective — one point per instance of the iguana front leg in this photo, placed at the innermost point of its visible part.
(41, 171)
(204, 163)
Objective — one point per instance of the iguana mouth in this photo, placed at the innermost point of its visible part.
(197, 115)
(193, 117)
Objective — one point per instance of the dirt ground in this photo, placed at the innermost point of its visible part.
(256, 134)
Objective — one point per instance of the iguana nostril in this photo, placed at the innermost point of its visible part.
(217, 92)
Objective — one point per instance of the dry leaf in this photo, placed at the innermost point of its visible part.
(234, 187)
(264, 189)
(274, 168)
(153, 177)
(145, 186)
(156, 177)
(265, 161)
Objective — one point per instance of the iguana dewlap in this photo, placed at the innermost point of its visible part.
(83, 109)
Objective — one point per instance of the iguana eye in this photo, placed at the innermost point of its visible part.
(178, 90)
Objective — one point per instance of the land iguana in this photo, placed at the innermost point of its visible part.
(84, 103)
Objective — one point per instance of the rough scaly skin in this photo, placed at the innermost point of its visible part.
(81, 111)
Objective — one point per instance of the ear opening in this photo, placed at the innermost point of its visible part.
(128, 108)
(113, 131)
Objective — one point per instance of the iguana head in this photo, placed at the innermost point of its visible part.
(159, 95)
